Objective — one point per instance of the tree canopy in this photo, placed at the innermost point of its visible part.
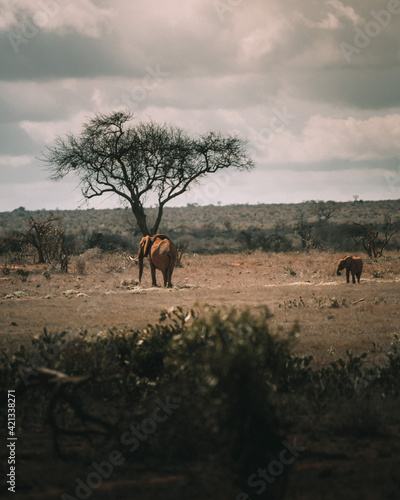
(111, 155)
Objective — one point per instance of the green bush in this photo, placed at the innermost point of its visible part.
(233, 378)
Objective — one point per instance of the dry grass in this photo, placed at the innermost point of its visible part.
(352, 448)
(333, 316)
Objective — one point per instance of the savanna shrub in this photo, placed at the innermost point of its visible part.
(225, 365)
(229, 374)
(108, 241)
(80, 265)
(23, 274)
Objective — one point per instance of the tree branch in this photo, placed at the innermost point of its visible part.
(111, 156)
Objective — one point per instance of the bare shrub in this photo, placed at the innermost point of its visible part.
(80, 265)
(92, 254)
(372, 244)
(47, 275)
(48, 240)
(5, 270)
(181, 249)
(23, 274)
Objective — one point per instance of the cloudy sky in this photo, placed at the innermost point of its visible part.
(314, 85)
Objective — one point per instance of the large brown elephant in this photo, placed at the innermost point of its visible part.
(162, 255)
(353, 265)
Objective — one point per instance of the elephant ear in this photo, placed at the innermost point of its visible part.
(141, 248)
(147, 245)
(348, 260)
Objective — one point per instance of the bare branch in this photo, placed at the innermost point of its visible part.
(371, 244)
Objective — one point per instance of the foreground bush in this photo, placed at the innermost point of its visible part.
(235, 388)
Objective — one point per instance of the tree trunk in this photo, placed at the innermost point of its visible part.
(140, 217)
(42, 259)
(157, 222)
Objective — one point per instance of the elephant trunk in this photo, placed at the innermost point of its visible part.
(140, 258)
(144, 249)
(338, 272)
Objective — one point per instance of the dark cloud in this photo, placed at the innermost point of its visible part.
(21, 101)
(361, 88)
(49, 56)
(15, 141)
(236, 71)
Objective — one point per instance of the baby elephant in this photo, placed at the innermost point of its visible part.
(353, 265)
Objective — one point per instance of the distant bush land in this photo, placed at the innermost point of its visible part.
(219, 229)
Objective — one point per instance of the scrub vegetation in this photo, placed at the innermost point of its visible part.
(260, 373)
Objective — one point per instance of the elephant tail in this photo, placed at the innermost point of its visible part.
(171, 262)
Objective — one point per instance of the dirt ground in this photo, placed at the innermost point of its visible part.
(333, 316)
(295, 287)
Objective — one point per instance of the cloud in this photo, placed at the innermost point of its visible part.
(345, 12)
(60, 16)
(326, 138)
(15, 161)
(288, 185)
(50, 56)
(332, 15)
(14, 140)
(44, 101)
(45, 132)
(232, 72)
(360, 89)
(39, 195)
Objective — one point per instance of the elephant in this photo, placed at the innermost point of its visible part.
(353, 265)
(162, 255)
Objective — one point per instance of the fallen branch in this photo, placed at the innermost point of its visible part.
(60, 384)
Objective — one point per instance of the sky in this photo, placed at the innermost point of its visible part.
(312, 85)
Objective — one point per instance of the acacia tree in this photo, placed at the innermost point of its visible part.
(48, 240)
(303, 229)
(373, 245)
(324, 210)
(111, 155)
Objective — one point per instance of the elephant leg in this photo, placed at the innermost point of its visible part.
(353, 277)
(170, 278)
(165, 276)
(358, 277)
(348, 275)
(153, 274)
